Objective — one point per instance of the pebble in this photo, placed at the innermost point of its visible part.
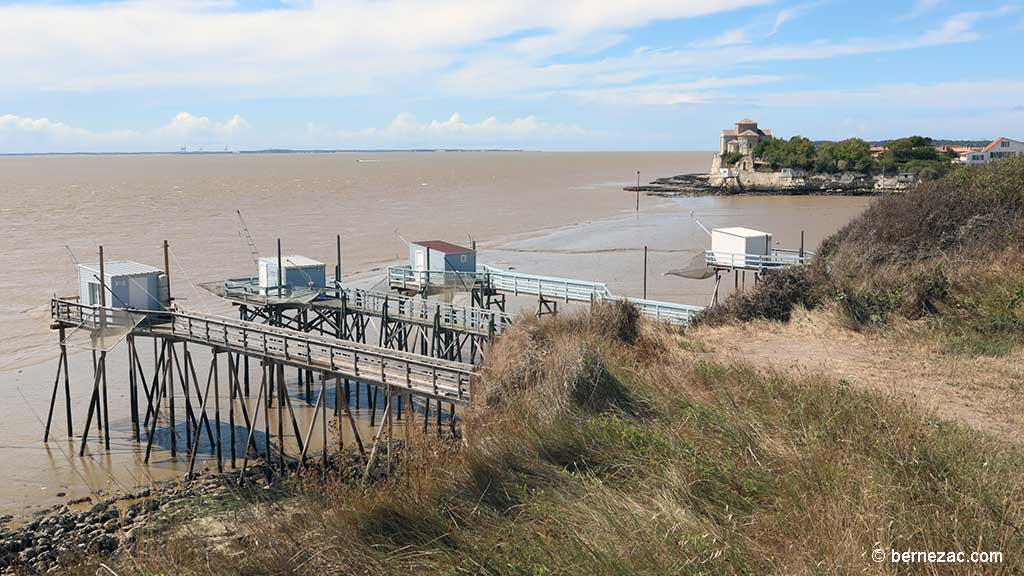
(46, 543)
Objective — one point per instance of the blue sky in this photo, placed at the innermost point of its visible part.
(150, 75)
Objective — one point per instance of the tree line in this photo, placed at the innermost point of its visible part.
(915, 154)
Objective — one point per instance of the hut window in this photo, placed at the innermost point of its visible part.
(462, 258)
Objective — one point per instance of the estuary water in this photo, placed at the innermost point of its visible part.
(559, 214)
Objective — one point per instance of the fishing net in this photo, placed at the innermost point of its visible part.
(696, 269)
(103, 329)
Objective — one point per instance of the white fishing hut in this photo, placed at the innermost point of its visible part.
(129, 285)
(740, 247)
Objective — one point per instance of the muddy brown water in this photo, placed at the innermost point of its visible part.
(559, 214)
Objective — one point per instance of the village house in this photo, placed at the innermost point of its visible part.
(999, 148)
(743, 138)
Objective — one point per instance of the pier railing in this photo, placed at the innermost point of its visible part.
(419, 310)
(779, 258)
(406, 278)
(547, 287)
(420, 374)
(678, 314)
(550, 287)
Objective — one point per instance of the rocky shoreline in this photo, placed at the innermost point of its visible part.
(701, 185)
(65, 534)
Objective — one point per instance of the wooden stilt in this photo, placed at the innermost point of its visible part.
(99, 413)
(391, 429)
(133, 390)
(216, 411)
(206, 397)
(92, 407)
(106, 405)
(266, 416)
(232, 381)
(169, 388)
(352, 424)
(67, 383)
(252, 429)
(280, 416)
(323, 419)
(309, 431)
(375, 450)
(291, 415)
(53, 398)
(191, 366)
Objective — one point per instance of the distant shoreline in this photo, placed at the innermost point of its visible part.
(698, 184)
(266, 151)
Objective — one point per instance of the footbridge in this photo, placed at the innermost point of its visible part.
(549, 290)
(399, 374)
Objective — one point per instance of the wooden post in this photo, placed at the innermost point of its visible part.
(92, 406)
(638, 191)
(232, 384)
(391, 428)
(169, 392)
(53, 398)
(645, 272)
(106, 406)
(67, 381)
(312, 424)
(266, 415)
(216, 411)
(96, 399)
(323, 409)
(133, 390)
(375, 450)
(190, 365)
(337, 271)
(206, 398)
(280, 269)
(190, 419)
(252, 429)
(167, 270)
(280, 414)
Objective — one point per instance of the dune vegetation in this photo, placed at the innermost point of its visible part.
(949, 252)
(603, 444)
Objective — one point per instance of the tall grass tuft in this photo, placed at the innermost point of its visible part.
(949, 251)
(599, 445)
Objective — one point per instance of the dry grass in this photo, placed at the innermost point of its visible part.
(606, 447)
(951, 251)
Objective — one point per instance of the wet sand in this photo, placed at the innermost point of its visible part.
(559, 214)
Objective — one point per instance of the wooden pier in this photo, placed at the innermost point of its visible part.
(549, 290)
(404, 323)
(399, 374)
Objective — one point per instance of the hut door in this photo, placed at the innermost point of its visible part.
(421, 260)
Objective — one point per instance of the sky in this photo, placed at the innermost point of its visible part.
(157, 75)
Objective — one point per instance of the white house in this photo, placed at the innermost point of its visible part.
(997, 149)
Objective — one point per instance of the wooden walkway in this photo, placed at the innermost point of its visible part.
(545, 288)
(403, 371)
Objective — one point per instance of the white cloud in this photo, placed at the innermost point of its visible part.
(920, 8)
(702, 91)
(788, 14)
(405, 131)
(314, 47)
(941, 109)
(24, 134)
(502, 75)
(727, 38)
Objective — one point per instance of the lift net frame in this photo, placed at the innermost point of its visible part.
(103, 329)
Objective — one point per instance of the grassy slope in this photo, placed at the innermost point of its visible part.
(950, 252)
(599, 450)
